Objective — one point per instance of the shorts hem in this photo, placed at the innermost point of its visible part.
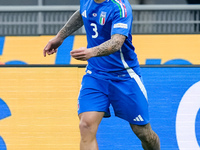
(135, 123)
(106, 114)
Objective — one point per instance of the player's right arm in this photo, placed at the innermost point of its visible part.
(73, 24)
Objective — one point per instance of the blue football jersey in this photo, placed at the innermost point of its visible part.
(101, 21)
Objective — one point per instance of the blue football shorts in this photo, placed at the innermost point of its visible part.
(127, 97)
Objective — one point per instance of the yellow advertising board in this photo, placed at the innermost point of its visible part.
(151, 49)
(41, 108)
(167, 48)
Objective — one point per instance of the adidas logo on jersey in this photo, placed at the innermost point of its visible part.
(84, 14)
(138, 118)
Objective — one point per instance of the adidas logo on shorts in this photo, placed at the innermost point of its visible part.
(138, 118)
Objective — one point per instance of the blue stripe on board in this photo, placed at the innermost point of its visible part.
(4, 110)
(153, 61)
(2, 39)
(63, 54)
(2, 144)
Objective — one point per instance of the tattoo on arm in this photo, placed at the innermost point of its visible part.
(110, 46)
(73, 24)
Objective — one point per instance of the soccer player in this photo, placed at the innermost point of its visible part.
(113, 72)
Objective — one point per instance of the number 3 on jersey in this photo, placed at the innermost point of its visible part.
(95, 30)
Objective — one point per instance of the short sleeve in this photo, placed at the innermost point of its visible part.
(122, 20)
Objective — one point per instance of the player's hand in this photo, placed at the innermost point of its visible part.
(81, 54)
(52, 46)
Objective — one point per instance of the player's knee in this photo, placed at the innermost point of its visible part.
(84, 126)
(144, 137)
(144, 134)
(87, 131)
(148, 137)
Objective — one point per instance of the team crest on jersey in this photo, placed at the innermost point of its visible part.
(102, 19)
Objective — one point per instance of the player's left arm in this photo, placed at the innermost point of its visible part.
(104, 49)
